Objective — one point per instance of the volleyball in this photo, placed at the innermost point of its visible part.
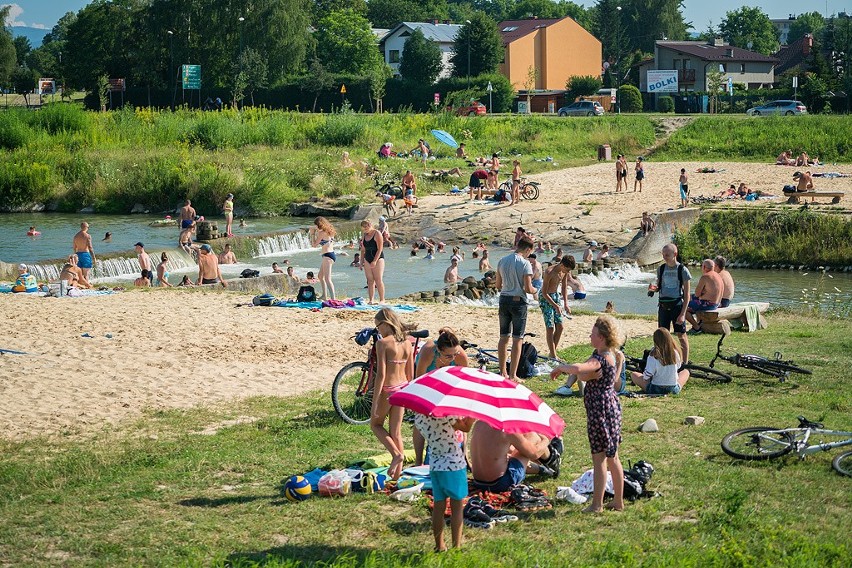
(297, 488)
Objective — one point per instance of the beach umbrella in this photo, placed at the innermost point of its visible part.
(446, 138)
(463, 391)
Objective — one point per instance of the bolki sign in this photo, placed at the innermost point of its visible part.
(662, 81)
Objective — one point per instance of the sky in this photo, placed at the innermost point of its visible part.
(45, 13)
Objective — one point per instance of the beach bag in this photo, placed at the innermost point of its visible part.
(526, 364)
(249, 273)
(500, 195)
(306, 294)
(263, 300)
(335, 483)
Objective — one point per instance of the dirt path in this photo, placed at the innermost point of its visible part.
(665, 127)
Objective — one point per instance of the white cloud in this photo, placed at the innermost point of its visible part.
(15, 12)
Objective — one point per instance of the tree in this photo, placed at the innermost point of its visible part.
(24, 81)
(543, 9)
(322, 8)
(378, 83)
(250, 74)
(421, 59)
(529, 84)
(480, 43)
(23, 47)
(8, 54)
(389, 13)
(638, 24)
(60, 30)
(346, 44)
(750, 28)
(582, 86)
(808, 23)
(317, 81)
(715, 85)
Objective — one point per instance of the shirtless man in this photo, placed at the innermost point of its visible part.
(806, 182)
(143, 258)
(83, 249)
(227, 256)
(549, 298)
(516, 183)
(708, 293)
(460, 151)
(620, 174)
(451, 276)
(785, 159)
(208, 267)
(589, 253)
(720, 262)
(187, 215)
(409, 183)
(484, 263)
(499, 460)
(537, 280)
(276, 269)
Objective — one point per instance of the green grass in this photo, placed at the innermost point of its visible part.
(158, 493)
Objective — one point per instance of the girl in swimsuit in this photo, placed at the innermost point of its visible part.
(394, 369)
(324, 237)
(228, 209)
(445, 351)
(373, 260)
(162, 273)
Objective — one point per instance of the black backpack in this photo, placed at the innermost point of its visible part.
(526, 364)
(679, 276)
(249, 273)
(306, 294)
(636, 479)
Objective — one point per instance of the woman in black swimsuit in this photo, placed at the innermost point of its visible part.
(373, 260)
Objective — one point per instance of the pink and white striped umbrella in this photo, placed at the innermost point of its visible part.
(463, 391)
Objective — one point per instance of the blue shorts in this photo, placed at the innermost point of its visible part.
(449, 484)
(725, 303)
(684, 191)
(186, 223)
(515, 473)
(579, 295)
(696, 304)
(84, 260)
(538, 283)
(657, 389)
(552, 318)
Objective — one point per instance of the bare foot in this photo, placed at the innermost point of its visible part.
(593, 509)
(395, 468)
(613, 507)
(442, 548)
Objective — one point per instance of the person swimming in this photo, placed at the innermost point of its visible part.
(107, 237)
(32, 232)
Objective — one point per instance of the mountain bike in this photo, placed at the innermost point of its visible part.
(528, 189)
(695, 371)
(352, 390)
(764, 443)
(773, 367)
(489, 358)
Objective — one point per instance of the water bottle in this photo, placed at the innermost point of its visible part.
(63, 287)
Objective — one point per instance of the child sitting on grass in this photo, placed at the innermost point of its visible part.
(448, 472)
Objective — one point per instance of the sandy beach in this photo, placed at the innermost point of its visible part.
(181, 348)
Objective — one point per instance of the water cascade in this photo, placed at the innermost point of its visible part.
(275, 245)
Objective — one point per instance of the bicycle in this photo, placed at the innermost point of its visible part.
(695, 371)
(489, 357)
(759, 443)
(773, 367)
(352, 389)
(528, 189)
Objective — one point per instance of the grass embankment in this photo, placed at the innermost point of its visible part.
(159, 493)
(759, 139)
(268, 159)
(767, 238)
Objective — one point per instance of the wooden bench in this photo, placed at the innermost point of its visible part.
(796, 196)
(718, 321)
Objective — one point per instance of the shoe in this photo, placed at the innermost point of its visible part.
(568, 494)
(554, 460)
(556, 442)
(474, 516)
(564, 390)
(694, 331)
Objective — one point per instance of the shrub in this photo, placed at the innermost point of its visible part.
(582, 86)
(61, 117)
(630, 99)
(14, 132)
(23, 184)
(665, 104)
(339, 129)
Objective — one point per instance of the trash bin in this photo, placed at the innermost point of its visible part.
(604, 153)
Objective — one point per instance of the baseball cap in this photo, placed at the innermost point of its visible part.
(230, 195)
(206, 247)
(22, 266)
(139, 244)
(382, 218)
(797, 174)
(593, 243)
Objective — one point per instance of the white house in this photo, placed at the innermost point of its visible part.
(444, 35)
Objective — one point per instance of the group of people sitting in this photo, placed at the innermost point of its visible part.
(742, 192)
(786, 158)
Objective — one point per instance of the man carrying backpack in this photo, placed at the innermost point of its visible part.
(514, 279)
(673, 285)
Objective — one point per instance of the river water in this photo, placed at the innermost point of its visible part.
(625, 286)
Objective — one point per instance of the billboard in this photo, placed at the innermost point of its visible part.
(46, 86)
(662, 81)
(191, 76)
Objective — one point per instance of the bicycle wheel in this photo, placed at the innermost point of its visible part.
(771, 367)
(351, 401)
(708, 374)
(506, 186)
(530, 191)
(633, 364)
(842, 464)
(757, 443)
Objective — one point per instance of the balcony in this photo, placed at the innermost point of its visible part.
(686, 75)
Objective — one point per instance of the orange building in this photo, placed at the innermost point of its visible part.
(558, 49)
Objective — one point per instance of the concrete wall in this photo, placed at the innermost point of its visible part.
(648, 250)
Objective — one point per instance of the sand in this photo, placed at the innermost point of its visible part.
(183, 348)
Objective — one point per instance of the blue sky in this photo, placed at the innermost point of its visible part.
(45, 13)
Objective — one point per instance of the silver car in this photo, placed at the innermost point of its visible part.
(582, 108)
(784, 108)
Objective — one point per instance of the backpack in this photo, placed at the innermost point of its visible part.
(679, 276)
(306, 294)
(526, 364)
(263, 300)
(249, 273)
(636, 479)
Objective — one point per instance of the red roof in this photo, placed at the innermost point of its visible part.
(512, 30)
(709, 52)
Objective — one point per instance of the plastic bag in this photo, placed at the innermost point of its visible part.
(408, 494)
(335, 483)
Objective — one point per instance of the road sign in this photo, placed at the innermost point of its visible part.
(795, 82)
(612, 95)
(342, 89)
(46, 86)
(190, 76)
(117, 85)
(490, 87)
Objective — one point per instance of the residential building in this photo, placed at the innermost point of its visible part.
(795, 55)
(443, 34)
(693, 60)
(783, 27)
(557, 49)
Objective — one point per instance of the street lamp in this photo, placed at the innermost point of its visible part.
(617, 58)
(171, 65)
(468, 53)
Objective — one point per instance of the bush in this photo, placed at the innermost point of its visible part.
(339, 129)
(629, 99)
(665, 104)
(60, 117)
(23, 184)
(582, 86)
(14, 133)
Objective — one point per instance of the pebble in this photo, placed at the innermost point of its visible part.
(650, 425)
(693, 420)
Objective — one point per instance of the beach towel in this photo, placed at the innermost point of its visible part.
(313, 477)
(752, 317)
(355, 306)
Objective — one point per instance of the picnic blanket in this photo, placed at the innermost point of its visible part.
(8, 290)
(342, 305)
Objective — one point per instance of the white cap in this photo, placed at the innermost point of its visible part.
(22, 267)
(593, 243)
(382, 218)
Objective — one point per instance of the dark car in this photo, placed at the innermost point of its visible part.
(582, 108)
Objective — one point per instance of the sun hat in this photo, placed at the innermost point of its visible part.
(206, 247)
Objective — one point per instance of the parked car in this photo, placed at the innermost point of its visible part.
(786, 108)
(473, 108)
(582, 108)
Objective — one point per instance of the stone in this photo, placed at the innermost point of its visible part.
(650, 425)
(88, 209)
(469, 295)
(470, 281)
(425, 295)
(694, 420)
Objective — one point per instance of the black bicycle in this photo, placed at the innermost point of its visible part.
(776, 367)
(695, 371)
(488, 358)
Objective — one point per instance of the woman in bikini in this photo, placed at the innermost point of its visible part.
(323, 236)
(394, 370)
(163, 271)
(373, 260)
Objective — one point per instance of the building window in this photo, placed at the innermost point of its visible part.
(509, 29)
(393, 56)
(723, 67)
(687, 63)
(676, 63)
(742, 68)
